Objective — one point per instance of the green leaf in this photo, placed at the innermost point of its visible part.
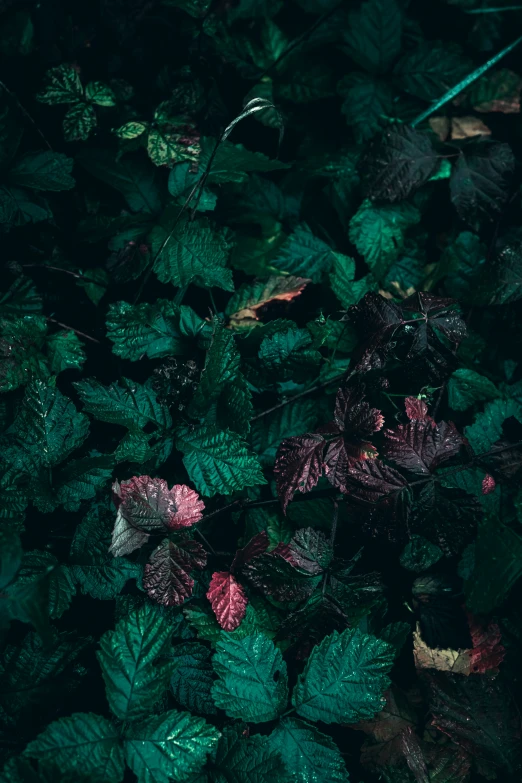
(367, 105)
(76, 481)
(304, 255)
(195, 253)
(20, 299)
(252, 682)
(167, 146)
(223, 396)
(100, 94)
(420, 554)
(11, 130)
(344, 679)
(288, 355)
(378, 232)
(147, 330)
(79, 122)
(191, 677)
(181, 181)
(93, 567)
(136, 180)
(268, 432)
(308, 754)
(40, 572)
(65, 351)
(233, 162)
(18, 207)
(431, 69)
(132, 405)
(218, 461)
(10, 555)
(21, 357)
(498, 565)
(487, 426)
(466, 387)
(62, 85)
(170, 746)
(373, 35)
(347, 290)
(47, 429)
(94, 283)
(247, 759)
(133, 683)
(84, 744)
(43, 171)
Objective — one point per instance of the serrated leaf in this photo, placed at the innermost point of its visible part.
(75, 481)
(65, 351)
(131, 404)
(43, 171)
(147, 330)
(62, 85)
(191, 677)
(421, 446)
(10, 555)
(19, 207)
(232, 162)
(100, 94)
(373, 35)
(93, 567)
(252, 681)
(289, 354)
(228, 600)
(167, 577)
(194, 254)
(268, 432)
(218, 461)
(367, 105)
(398, 164)
(182, 179)
(488, 585)
(168, 146)
(243, 306)
(487, 426)
(304, 255)
(344, 679)
(378, 233)
(172, 745)
(420, 554)
(466, 387)
(82, 744)
(127, 655)
(79, 122)
(248, 759)
(136, 180)
(431, 69)
(308, 754)
(299, 465)
(480, 179)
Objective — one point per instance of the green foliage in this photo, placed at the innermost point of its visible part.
(378, 233)
(307, 753)
(252, 680)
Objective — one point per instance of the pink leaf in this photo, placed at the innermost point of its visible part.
(148, 504)
(415, 408)
(228, 600)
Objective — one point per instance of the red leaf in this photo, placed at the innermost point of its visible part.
(298, 466)
(340, 455)
(488, 484)
(148, 504)
(487, 652)
(228, 600)
(373, 480)
(354, 416)
(256, 546)
(167, 577)
(416, 409)
(421, 445)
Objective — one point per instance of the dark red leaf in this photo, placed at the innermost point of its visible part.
(340, 455)
(488, 484)
(275, 574)
(298, 465)
(415, 408)
(228, 600)
(487, 653)
(167, 577)
(354, 416)
(446, 517)
(373, 480)
(310, 550)
(256, 546)
(421, 445)
(384, 744)
(376, 320)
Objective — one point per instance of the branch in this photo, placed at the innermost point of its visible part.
(294, 397)
(72, 329)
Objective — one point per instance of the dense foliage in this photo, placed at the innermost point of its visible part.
(261, 410)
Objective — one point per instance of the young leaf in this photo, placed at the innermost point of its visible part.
(304, 255)
(344, 679)
(79, 122)
(62, 85)
(167, 577)
(133, 683)
(171, 745)
(252, 681)
(84, 744)
(149, 504)
(299, 465)
(309, 754)
(191, 677)
(218, 461)
(228, 600)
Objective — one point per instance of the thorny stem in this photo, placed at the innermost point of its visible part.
(72, 329)
(304, 393)
(26, 114)
(59, 269)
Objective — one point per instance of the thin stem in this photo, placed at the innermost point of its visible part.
(205, 540)
(26, 115)
(333, 533)
(72, 329)
(498, 10)
(304, 393)
(77, 275)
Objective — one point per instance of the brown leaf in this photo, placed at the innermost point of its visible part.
(465, 127)
(457, 661)
(384, 744)
(263, 293)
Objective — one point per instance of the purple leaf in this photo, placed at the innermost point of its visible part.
(421, 445)
(373, 480)
(298, 465)
(167, 577)
(376, 320)
(255, 547)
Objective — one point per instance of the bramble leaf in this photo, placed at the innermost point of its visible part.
(228, 600)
